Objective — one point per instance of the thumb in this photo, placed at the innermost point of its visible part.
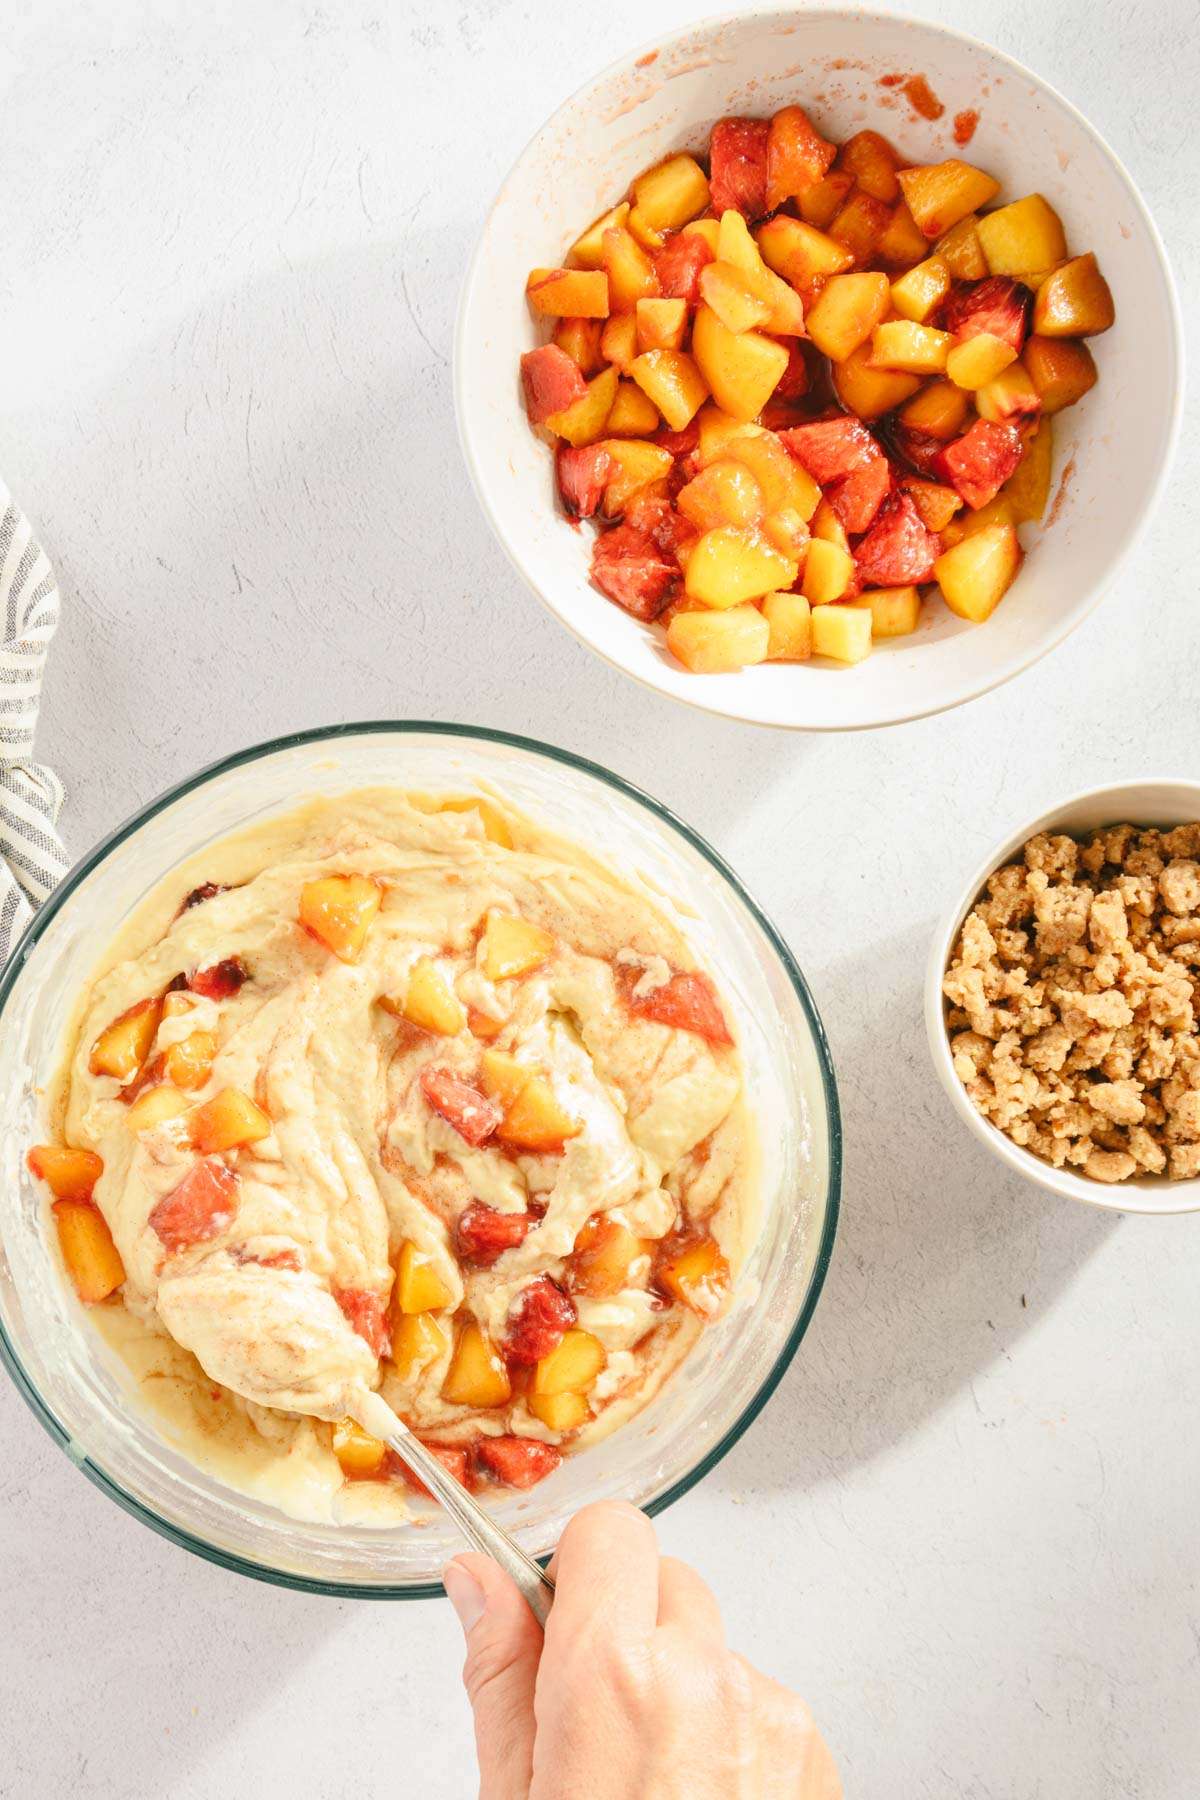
(504, 1643)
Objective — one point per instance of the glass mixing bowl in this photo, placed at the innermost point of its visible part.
(81, 1391)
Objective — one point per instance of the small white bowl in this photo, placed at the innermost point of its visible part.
(1117, 441)
(1152, 800)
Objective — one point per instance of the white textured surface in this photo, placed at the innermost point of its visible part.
(965, 1525)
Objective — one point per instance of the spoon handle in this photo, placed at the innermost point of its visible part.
(476, 1524)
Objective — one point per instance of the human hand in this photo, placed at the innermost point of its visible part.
(633, 1692)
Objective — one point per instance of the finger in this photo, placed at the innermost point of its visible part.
(606, 1574)
(684, 1599)
(504, 1645)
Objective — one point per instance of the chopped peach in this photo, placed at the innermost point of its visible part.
(154, 1108)
(569, 293)
(69, 1174)
(841, 633)
(847, 312)
(894, 611)
(359, 1455)
(826, 524)
(580, 339)
(630, 273)
(535, 1120)
(785, 484)
(797, 156)
(671, 379)
(584, 421)
(867, 390)
(1074, 301)
(938, 411)
(860, 227)
(503, 1077)
(828, 572)
(559, 1412)
(572, 1366)
(1061, 369)
(918, 293)
(1028, 490)
(418, 1339)
(646, 234)
(123, 1046)
(903, 344)
(742, 369)
(339, 909)
(511, 946)
(588, 250)
(789, 627)
(961, 250)
(495, 825)
(725, 493)
(636, 465)
(482, 1025)
(419, 1287)
(938, 195)
(618, 340)
(975, 575)
(787, 532)
(633, 413)
(1022, 237)
(801, 253)
(902, 242)
(189, 1063)
(661, 324)
(716, 430)
(733, 296)
(980, 359)
(92, 1259)
(227, 1121)
(820, 204)
(717, 643)
(430, 1001)
(604, 1253)
(1009, 396)
(672, 193)
(934, 501)
(731, 564)
(477, 1375)
(873, 164)
(696, 1274)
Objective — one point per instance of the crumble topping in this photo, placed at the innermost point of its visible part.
(1072, 999)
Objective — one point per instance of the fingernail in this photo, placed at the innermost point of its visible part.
(466, 1595)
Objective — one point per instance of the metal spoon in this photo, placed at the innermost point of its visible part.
(476, 1524)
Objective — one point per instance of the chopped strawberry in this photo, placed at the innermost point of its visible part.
(997, 305)
(517, 1462)
(898, 550)
(537, 1320)
(794, 382)
(274, 1259)
(671, 530)
(201, 1206)
(797, 156)
(831, 448)
(737, 154)
(367, 1313)
(678, 265)
(482, 1234)
(471, 1113)
(219, 980)
(455, 1458)
(679, 443)
(583, 470)
(688, 1002)
(981, 461)
(631, 569)
(551, 380)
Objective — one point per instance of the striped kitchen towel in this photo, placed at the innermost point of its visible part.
(32, 859)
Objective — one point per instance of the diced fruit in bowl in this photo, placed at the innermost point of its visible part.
(784, 375)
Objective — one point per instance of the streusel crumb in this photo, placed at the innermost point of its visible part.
(1073, 994)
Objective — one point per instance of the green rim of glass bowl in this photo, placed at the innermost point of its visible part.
(532, 746)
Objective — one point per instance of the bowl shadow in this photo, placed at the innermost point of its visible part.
(943, 1257)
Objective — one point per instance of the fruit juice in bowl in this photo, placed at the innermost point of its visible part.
(235, 1117)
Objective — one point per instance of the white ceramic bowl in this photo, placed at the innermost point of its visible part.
(1118, 441)
(1153, 800)
(82, 1394)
